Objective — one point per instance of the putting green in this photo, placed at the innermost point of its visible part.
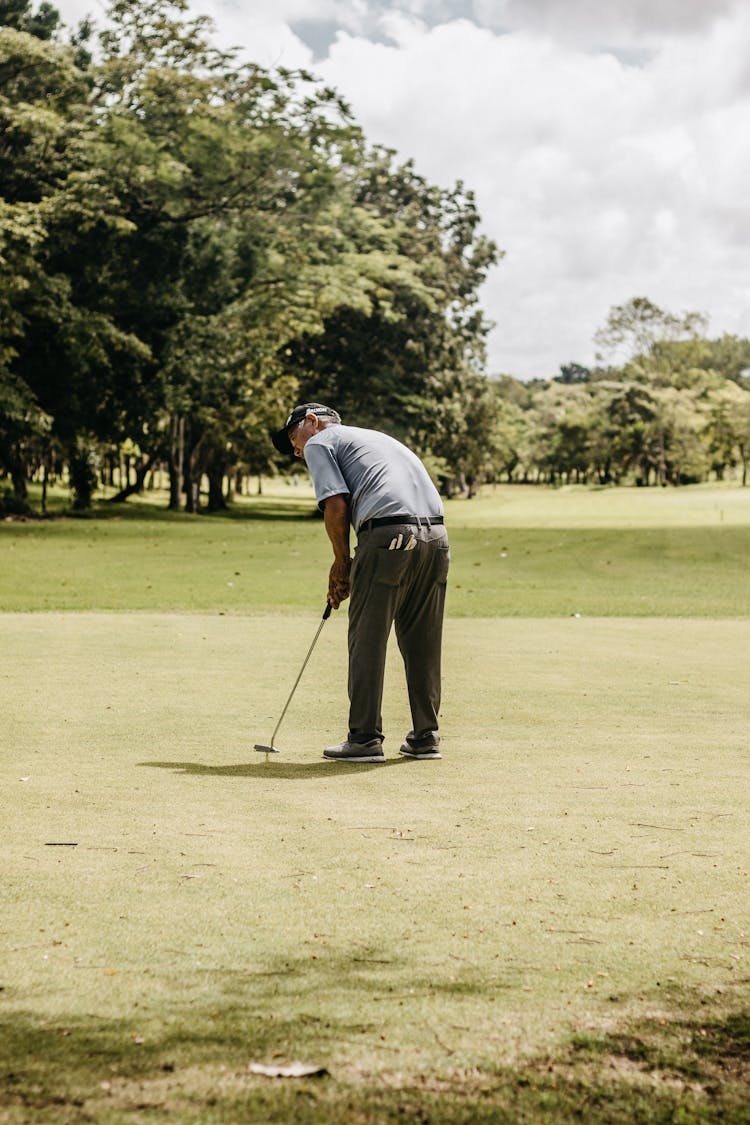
(578, 857)
(549, 924)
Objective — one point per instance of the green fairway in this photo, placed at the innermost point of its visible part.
(272, 555)
(550, 924)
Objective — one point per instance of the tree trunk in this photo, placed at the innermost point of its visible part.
(192, 493)
(216, 500)
(18, 477)
(137, 485)
(176, 460)
(194, 469)
(44, 483)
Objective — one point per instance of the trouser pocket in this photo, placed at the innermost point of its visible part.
(391, 566)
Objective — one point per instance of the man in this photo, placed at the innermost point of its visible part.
(368, 480)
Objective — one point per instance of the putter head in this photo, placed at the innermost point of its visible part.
(266, 749)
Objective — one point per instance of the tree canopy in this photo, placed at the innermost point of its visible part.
(189, 243)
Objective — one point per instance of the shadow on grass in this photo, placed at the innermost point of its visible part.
(191, 1063)
(104, 511)
(274, 768)
(255, 508)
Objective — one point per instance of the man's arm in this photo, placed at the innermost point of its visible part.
(337, 524)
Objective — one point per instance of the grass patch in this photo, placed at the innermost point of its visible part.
(270, 554)
(570, 506)
(550, 924)
(535, 928)
(659, 1071)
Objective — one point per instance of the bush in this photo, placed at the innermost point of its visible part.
(11, 505)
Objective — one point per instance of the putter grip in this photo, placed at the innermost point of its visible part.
(327, 611)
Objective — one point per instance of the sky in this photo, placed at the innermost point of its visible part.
(607, 142)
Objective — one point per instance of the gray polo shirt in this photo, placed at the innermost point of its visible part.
(380, 476)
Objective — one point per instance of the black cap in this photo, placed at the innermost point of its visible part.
(281, 438)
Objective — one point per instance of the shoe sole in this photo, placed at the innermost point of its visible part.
(417, 757)
(354, 761)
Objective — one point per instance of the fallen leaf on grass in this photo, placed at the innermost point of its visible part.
(293, 1070)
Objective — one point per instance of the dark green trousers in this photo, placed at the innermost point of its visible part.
(404, 587)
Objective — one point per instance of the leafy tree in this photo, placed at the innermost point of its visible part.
(633, 329)
(558, 432)
(742, 424)
(672, 422)
(573, 373)
(186, 240)
(513, 391)
(18, 15)
(730, 355)
(42, 107)
(619, 418)
(405, 355)
(24, 428)
(727, 428)
(232, 179)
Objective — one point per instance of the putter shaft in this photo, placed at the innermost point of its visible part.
(272, 748)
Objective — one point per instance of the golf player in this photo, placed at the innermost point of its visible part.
(369, 481)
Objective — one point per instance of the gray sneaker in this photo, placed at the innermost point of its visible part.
(421, 749)
(371, 751)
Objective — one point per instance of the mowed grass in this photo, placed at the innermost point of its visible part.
(551, 923)
(511, 556)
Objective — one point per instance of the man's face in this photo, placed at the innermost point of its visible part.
(300, 434)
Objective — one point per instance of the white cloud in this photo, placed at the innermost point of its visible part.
(600, 22)
(600, 179)
(73, 11)
(259, 30)
(262, 31)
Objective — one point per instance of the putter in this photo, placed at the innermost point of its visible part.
(271, 749)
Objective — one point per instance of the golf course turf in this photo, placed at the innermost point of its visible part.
(549, 924)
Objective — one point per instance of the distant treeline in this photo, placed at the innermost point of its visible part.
(190, 244)
(675, 410)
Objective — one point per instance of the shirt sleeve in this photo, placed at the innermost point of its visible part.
(327, 477)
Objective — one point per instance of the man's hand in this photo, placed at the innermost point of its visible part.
(338, 582)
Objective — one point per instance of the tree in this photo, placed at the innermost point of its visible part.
(727, 428)
(23, 431)
(186, 241)
(672, 422)
(742, 422)
(18, 15)
(406, 354)
(730, 355)
(557, 446)
(573, 373)
(633, 329)
(47, 339)
(236, 183)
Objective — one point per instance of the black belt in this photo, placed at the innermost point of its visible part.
(393, 521)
